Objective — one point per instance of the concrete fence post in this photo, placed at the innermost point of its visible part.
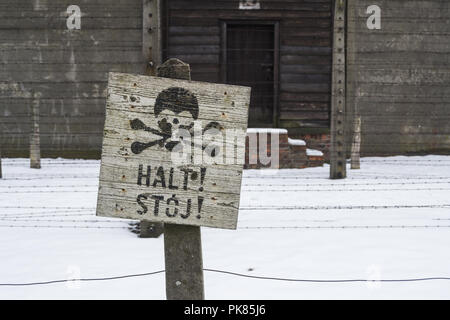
(338, 150)
(356, 145)
(35, 139)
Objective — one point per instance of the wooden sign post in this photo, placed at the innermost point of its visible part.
(185, 181)
(151, 49)
(182, 244)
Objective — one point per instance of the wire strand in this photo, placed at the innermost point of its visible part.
(235, 274)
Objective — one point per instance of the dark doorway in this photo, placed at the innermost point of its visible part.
(250, 57)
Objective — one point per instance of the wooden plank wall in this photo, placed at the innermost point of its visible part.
(194, 36)
(399, 76)
(65, 71)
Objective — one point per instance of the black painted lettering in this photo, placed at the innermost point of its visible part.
(188, 210)
(175, 209)
(199, 207)
(171, 186)
(202, 178)
(186, 177)
(140, 197)
(162, 178)
(141, 175)
(157, 200)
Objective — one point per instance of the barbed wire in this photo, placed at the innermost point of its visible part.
(129, 227)
(283, 178)
(20, 217)
(304, 176)
(268, 176)
(403, 160)
(48, 212)
(416, 165)
(80, 149)
(50, 186)
(269, 185)
(350, 227)
(59, 220)
(47, 207)
(343, 207)
(345, 184)
(61, 227)
(349, 190)
(18, 162)
(246, 190)
(50, 161)
(47, 191)
(372, 207)
(50, 177)
(55, 164)
(73, 211)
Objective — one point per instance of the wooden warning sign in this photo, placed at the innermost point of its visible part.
(173, 151)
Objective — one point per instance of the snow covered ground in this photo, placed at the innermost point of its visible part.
(389, 220)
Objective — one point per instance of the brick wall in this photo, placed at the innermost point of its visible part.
(319, 141)
(292, 154)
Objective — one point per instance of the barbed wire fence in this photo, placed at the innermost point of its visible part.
(66, 130)
(83, 217)
(42, 217)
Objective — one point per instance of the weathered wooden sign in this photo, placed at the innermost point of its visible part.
(173, 151)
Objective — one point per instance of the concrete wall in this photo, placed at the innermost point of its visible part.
(64, 71)
(399, 76)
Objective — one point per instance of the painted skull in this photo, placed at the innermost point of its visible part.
(175, 109)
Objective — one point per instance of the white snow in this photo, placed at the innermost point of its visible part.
(312, 152)
(386, 243)
(296, 142)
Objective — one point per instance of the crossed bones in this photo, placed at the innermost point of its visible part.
(165, 134)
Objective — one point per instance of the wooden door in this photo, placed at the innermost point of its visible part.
(250, 61)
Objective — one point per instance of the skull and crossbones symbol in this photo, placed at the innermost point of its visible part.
(181, 109)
